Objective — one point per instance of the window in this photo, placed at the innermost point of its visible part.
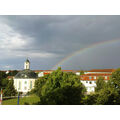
(30, 84)
(94, 81)
(94, 77)
(86, 81)
(19, 85)
(90, 77)
(90, 82)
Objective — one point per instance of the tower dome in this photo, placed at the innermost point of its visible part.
(27, 65)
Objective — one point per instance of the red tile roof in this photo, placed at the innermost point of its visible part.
(102, 70)
(91, 77)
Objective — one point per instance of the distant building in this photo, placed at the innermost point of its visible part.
(90, 77)
(10, 77)
(24, 80)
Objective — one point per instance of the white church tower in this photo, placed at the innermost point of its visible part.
(27, 65)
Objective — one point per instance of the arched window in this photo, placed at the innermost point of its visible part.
(30, 84)
(19, 85)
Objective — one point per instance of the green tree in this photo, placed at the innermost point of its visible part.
(10, 90)
(2, 77)
(38, 85)
(12, 73)
(110, 94)
(4, 82)
(100, 84)
(81, 72)
(115, 80)
(63, 96)
(90, 99)
(61, 88)
(107, 96)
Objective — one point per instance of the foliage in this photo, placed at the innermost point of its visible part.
(90, 99)
(60, 88)
(12, 73)
(110, 93)
(4, 82)
(2, 76)
(107, 96)
(115, 80)
(100, 84)
(63, 96)
(81, 72)
(38, 85)
(10, 90)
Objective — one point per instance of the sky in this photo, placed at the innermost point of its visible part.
(48, 40)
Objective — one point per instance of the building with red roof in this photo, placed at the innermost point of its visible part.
(90, 77)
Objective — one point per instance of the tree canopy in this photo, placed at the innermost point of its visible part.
(60, 88)
(3, 79)
(10, 90)
(109, 93)
(100, 84)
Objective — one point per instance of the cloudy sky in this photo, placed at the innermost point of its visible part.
(48, 40)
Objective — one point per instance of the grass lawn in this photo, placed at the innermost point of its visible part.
(31, 99)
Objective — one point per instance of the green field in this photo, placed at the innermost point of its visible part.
(30, 100)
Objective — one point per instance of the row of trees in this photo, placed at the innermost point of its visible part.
(60, 88)
(7, 85)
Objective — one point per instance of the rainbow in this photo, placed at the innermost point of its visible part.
(82, 50)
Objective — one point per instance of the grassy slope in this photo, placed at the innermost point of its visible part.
(32, 99)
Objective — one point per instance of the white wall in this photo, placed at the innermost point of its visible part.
(77, 73)
(89, 87)
(25, 84)
(40, 74)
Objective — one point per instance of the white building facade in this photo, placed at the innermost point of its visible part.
(24, 80)
(89, 78)
(90, 85)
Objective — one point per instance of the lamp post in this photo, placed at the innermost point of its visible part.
(1, 97)
(18, 98)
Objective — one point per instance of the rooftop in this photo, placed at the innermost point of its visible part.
(24, 74)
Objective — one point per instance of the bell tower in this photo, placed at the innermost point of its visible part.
(27, 65)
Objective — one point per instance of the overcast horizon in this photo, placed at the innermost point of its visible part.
(48, 40)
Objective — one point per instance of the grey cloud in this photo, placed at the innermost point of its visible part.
(63, 35)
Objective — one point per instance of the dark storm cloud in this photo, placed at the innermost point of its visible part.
(55, 37)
